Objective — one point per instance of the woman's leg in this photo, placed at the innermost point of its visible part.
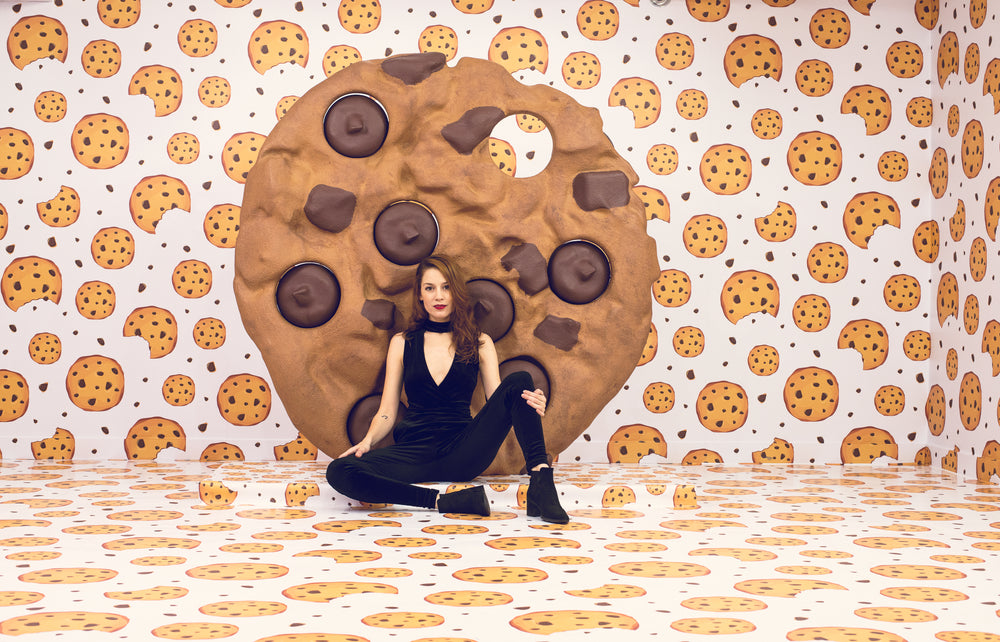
(473, 451)
(385, 476)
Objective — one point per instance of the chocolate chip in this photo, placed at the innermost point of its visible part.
(492, 307)
(406, 232)
(330, 208)
(472, 128)
(532, 274)
(381, 312)
(308, 295)
(559, 332)
(579, 272)
(414, 68)
(596, 190)
(355, 125)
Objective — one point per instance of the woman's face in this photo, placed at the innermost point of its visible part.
(435, 295)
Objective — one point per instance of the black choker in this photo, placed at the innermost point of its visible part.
(437, 326)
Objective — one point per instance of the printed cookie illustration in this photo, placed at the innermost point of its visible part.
(629, 444)
(722, 406)
(763, 360)
(360, 16)
(244, 400)
(30, 278)
(597, 20)
(34, 38)
(811, 313)
(890, 400)
(869, 338)
(811, 394)
(830, 28)
(45, 347)
(904, 59)
(766, 124)
(178, 390)
(157, 326)
(147, 437)
(214, 92)
(95, 383)
(581, 70)
(546, 622)
(872, 104)
(153, 196)
(970, 401)
(927, 241)
(549, 281)
(779, 452)
(60, 621)
(161, 84)
(864, 445)
(14, 395)
(18, 155)
(112, 248)
(726, 169)
(277, 42)
(639, 96)
(814, 78)
(197, 38)
(100, 141)
(101, 58)
(61, 210)
(779, 225)
(815, 158)
(893, 166)
(183, 148)
(518, 48)
(61, 445)
(675, 51)
(50, 106)
(751, 57)
(749, 292)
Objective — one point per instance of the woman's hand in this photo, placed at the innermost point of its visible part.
(357, 450)
(536, 399)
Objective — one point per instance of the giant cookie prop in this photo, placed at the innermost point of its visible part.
(386, 162)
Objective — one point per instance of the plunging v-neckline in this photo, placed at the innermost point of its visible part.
(427, 368)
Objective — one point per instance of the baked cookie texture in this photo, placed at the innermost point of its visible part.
(568, 246)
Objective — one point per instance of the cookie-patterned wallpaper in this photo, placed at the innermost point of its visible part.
(818, 178)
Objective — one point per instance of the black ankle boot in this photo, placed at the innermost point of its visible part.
(543, 499)
(471, 501)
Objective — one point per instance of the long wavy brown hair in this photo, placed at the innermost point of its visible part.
(464, 329)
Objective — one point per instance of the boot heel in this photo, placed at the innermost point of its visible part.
(533, 509)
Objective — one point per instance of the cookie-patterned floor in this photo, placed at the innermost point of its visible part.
(768, 553)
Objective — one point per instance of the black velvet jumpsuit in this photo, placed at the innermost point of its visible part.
(439, 439)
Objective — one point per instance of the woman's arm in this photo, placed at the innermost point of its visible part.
(489, 365)
(385, 418)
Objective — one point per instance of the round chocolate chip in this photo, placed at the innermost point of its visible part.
(579, 272)
(308, 295)
(360, 418)
(532, 367)
(355, 125)
(492, 306)
(406, 232)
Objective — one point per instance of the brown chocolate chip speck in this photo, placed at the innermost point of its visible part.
(559, 332)
(330, 208)
(530, 265)
(472, 128)
(414, 68)
(596, 190)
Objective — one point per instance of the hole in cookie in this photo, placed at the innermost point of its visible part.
(579, 271)
(360, 418)
(406, 232)
(308, 295)
(492, 306)
(532, 367)
(521, 145)
(356, 125)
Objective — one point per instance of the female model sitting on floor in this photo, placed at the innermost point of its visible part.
(438, 359)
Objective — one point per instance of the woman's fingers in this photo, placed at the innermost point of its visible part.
(536, 399)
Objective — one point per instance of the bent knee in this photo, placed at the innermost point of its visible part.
(340, 473)
(519, 380)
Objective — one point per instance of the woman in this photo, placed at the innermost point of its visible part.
(438, 359)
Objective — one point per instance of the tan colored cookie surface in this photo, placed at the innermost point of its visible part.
(295, 355)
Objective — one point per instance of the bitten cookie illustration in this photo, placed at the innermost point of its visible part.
(372, 187)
